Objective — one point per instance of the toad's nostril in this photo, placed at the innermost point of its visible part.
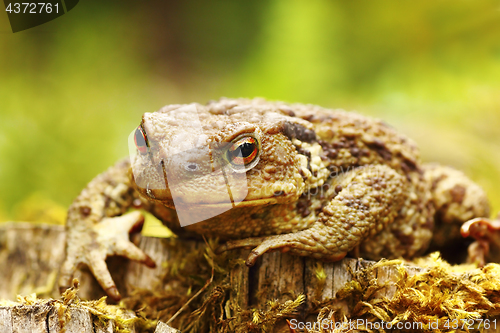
(191, 167)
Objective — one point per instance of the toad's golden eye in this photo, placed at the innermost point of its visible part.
(141, 141)
(244, 152)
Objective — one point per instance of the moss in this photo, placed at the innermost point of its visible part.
(123, 319)
(436, 293)
(195, 295)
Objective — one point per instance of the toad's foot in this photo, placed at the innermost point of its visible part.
(487, 234)
(91, 245)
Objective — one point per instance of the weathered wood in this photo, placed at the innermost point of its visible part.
(240, 283)
(33, 254)
(6, 319)
(30, 257)
(164, 328)
(44, 318)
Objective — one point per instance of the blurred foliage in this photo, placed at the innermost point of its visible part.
(38, 208)
(73, 89)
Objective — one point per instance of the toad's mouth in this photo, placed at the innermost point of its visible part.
(189, 198)
(188, 202)
(226, 205)
(192, 212)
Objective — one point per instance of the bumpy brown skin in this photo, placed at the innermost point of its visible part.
(327, 182)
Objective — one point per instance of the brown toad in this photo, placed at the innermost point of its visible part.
(269, 175)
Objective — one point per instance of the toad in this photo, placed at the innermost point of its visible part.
(270, 176)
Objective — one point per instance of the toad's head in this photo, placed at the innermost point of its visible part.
(212, 158)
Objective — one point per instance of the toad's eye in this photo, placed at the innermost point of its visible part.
(140, 140)
(244, 153)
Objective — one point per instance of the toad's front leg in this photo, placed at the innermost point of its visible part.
(95, 229)
(368, 199)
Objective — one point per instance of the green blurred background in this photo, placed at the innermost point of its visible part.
(73, 89)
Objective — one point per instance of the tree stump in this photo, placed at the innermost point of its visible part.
(32, 254)
(44, 318)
